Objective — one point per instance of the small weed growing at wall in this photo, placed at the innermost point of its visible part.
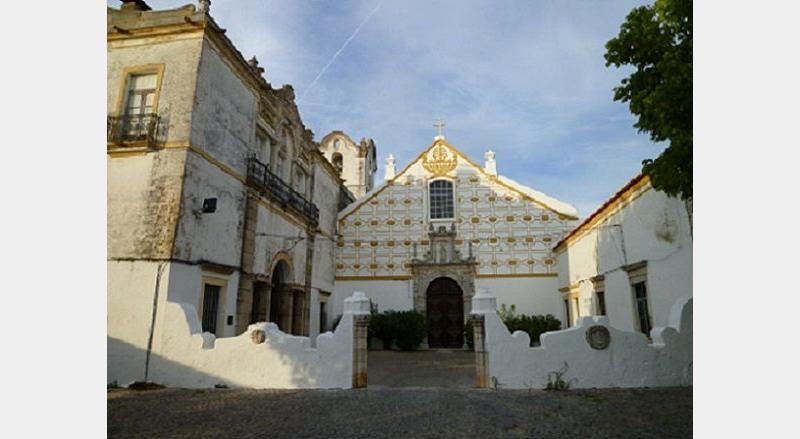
(113, 385)
(555, 379)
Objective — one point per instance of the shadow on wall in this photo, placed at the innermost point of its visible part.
(592, 354)
(262, 357)
(126, 364)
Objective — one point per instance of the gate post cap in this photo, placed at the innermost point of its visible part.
(357, 303)
(483, 302)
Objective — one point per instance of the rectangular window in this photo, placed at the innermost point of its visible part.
(601, 303)
(642, 311)
(264, 149)
(567, 314)
(141, 94)
(300, 182)
(211, 295)
(441, 199)
(323, 317)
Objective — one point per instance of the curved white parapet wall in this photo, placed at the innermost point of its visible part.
(271, 359)
(629, 360)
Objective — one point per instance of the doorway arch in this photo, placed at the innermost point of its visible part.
(444, 302)
(278, 301)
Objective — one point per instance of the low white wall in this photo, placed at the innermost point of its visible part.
(186, 357)
(628, 361)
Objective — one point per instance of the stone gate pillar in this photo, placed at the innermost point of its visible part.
(483, 302)
(357, 306)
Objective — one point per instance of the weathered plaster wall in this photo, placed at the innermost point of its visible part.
(143, 200)
(629, 360)
(224, 113)
(180, 55)
(217, 236)
(650, 227)
(185, 357)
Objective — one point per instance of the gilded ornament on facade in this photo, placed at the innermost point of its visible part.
(441, 162)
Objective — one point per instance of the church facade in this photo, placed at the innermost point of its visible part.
(442, 227)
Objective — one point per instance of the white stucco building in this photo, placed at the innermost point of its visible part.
(443, 226)
(218, 197)
(221, 204)
(630, 260)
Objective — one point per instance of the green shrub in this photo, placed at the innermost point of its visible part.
(380, 326)
(407, 329)
(410, 329)
(534, 325)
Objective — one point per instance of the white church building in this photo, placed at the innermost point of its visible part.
(442, 227)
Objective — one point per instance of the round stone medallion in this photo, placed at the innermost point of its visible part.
(598, 337)
(258, 336)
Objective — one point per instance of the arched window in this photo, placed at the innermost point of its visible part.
(441, 199)
(337, 162)
(337, 144)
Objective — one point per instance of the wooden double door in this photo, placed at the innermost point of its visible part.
(445, 308)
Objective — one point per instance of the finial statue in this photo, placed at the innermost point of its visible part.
(491, 165)
(205, 6)
(390, 171)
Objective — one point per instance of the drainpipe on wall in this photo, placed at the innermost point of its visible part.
(153, 320)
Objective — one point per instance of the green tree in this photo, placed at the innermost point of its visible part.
(656, 40)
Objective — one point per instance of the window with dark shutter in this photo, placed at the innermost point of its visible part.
(441, 199)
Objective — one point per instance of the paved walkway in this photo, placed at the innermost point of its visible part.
(408, 413)
(442, 368)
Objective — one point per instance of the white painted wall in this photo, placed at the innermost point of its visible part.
(654, 228)
(629, 360)
(185, 357)
(131, 287)
(530, 295)
(387, 294)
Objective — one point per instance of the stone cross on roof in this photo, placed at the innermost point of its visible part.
(439, 125)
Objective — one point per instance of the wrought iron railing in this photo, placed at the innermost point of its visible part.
(133, 128)
(278, 190)
(345, 197)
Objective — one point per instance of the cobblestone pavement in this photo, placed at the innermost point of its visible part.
(406, 412)
(425, 368)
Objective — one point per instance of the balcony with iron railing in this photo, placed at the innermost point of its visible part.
(133, 130)
(269, 184)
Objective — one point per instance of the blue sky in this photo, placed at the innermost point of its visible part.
(525, 78)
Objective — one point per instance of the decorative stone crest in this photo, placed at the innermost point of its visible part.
(598, 337)
(442, 161)
(258, 336)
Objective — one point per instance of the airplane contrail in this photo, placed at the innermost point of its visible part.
(335, 55)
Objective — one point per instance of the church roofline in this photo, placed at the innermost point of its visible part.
(533, 195)
(603, 212)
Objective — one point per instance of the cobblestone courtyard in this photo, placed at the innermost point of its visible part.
(401, 412)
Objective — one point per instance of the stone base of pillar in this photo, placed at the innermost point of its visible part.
(481, 356)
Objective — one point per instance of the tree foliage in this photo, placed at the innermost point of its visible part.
(656, 40)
